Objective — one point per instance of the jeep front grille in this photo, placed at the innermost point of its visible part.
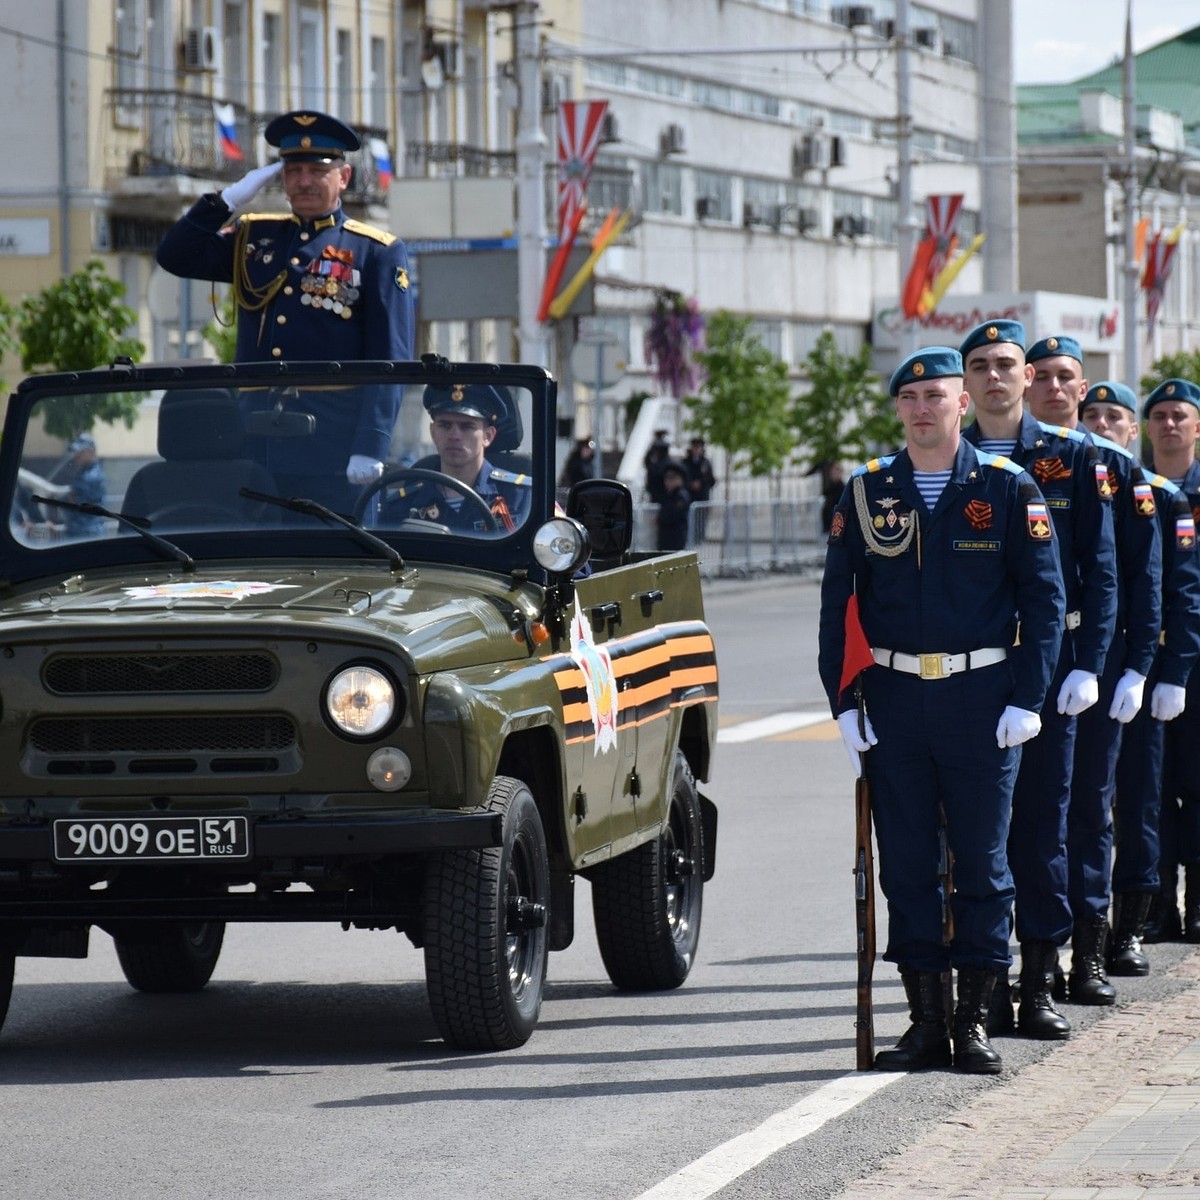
(94, 674)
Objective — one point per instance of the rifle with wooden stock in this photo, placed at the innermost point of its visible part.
(864, 910)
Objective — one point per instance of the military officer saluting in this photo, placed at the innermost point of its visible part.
(311, 283)
(463, 424)
(946, 549)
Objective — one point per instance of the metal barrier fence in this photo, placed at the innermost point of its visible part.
(745, 538)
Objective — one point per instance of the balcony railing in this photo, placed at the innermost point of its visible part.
(163, 133)
(440, 159)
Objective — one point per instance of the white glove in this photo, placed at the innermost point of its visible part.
(1017, 725)
(856, 744)
(1127, 697)
(1167, 701)
(1080, 690)
(249, 185)
(361, 469)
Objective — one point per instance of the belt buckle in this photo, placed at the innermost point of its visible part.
(931, 666)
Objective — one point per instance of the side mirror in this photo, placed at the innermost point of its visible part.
(604, 507)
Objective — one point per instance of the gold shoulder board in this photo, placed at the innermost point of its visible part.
(378, 235)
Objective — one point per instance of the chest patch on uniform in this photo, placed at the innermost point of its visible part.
(1103, 484)
(402, 279)
(1037, 520)
(979, 514)
(1143, 499)
(1046, 469)
(837, 526)
(1185, 532)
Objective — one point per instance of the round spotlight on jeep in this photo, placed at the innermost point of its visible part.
(388, 769)
(561, 545)
(360, 700)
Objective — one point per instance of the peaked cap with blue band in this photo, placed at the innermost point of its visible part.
(1173, 389)
(991, 333)
(1051, 347)
(471, 400)
(311, 137)
(934, 362)
(1109, 391)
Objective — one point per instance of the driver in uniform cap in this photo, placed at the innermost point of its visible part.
(464, 421)
(309, 284)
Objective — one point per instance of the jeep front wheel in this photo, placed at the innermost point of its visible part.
(169, 956)
(486, 935)
(647, 902)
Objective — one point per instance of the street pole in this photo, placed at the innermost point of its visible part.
(1130, 267)
(906, 225)
(531, 197)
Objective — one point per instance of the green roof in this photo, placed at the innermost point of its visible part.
(1166, 76)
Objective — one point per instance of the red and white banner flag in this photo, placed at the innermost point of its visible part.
(941, 224)
(1160, 255)
(578, 140)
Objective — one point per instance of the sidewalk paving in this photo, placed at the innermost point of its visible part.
(1111, 1114)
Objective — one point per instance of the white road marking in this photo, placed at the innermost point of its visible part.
(724, 1164)
(749, 731)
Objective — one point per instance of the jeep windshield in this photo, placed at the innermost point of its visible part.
(400, 462)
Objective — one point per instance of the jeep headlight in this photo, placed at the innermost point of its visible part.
(561, 545)
(360, 701)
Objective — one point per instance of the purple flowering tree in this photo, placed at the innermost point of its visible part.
(676, 331)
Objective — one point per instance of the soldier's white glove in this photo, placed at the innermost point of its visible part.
(856, 743)
(1080, 690)
(361, 469)
(1167, 701)
(1017, 725)
(249, 185)
(1127, 697)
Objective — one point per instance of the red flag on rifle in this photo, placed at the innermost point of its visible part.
(856, 656)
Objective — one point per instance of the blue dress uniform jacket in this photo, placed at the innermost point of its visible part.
(984, 559)
(1139, 542)
(506, 493)
(1140, 798)
(1075, 482)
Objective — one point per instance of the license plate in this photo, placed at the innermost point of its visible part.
(108, 839)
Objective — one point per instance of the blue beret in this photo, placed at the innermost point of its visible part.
(310, 137)
(991, 332)
(1172, 389)
(471, 400)
(1050, 347)
(934, 362)
(1108, 391)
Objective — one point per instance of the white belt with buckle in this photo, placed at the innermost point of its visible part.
(1074, 619)
(938, 666)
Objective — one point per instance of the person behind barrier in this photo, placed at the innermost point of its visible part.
(945, 548)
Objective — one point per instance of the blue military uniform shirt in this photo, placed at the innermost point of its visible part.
(984, 559)
(1177, 511)
(506, 493)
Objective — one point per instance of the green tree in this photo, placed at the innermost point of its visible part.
(77, 324)
(742, 404)
(8, 339)
(844, 414)
(1184, 365)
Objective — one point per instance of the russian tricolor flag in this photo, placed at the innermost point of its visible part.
(383, 161)
(226, 120)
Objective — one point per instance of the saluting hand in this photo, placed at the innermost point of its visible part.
(249, 185)
(857, 741)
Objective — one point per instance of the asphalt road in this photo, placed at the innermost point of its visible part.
(310, 1066)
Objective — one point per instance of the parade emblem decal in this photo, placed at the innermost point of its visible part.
(596, 664)
(837, 526)
(214, 589)
(1037, 520)
(1185, 532)
(1143, 499)
(979, 514)
(1047, 469)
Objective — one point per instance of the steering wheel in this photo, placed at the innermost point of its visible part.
(468, 493)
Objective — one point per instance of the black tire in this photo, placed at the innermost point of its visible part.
(487, 930)
(170, 956)
(647, 903)
(8, 964)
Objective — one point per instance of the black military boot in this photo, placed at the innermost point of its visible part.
(1191, 903)
(973, 1052)
(1001, 1017)
(1163, 922)
(1125, 955)
(1037, 1017)
(1086, 984)
(926, 1042)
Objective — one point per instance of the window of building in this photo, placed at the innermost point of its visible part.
(272, 63)
(312, 58)
(662, 188)
(235, 82)
(343, 75)
(714, 196)
(770, 333)
(130, 62)
(379, 88)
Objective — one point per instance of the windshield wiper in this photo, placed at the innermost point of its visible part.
(313, 509)
(137, 524)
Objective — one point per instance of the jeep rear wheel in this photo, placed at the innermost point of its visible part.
(169, 956)
(647, 903)
(486, 930)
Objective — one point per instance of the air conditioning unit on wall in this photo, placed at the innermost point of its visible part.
(674, 140)
(202, 48)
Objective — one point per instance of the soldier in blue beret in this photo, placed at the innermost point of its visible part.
(465, 420)
(945, 548)
(309, 284)
(1175, 391)
(1054, 396)
(1109, 410)
(1074, 481)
